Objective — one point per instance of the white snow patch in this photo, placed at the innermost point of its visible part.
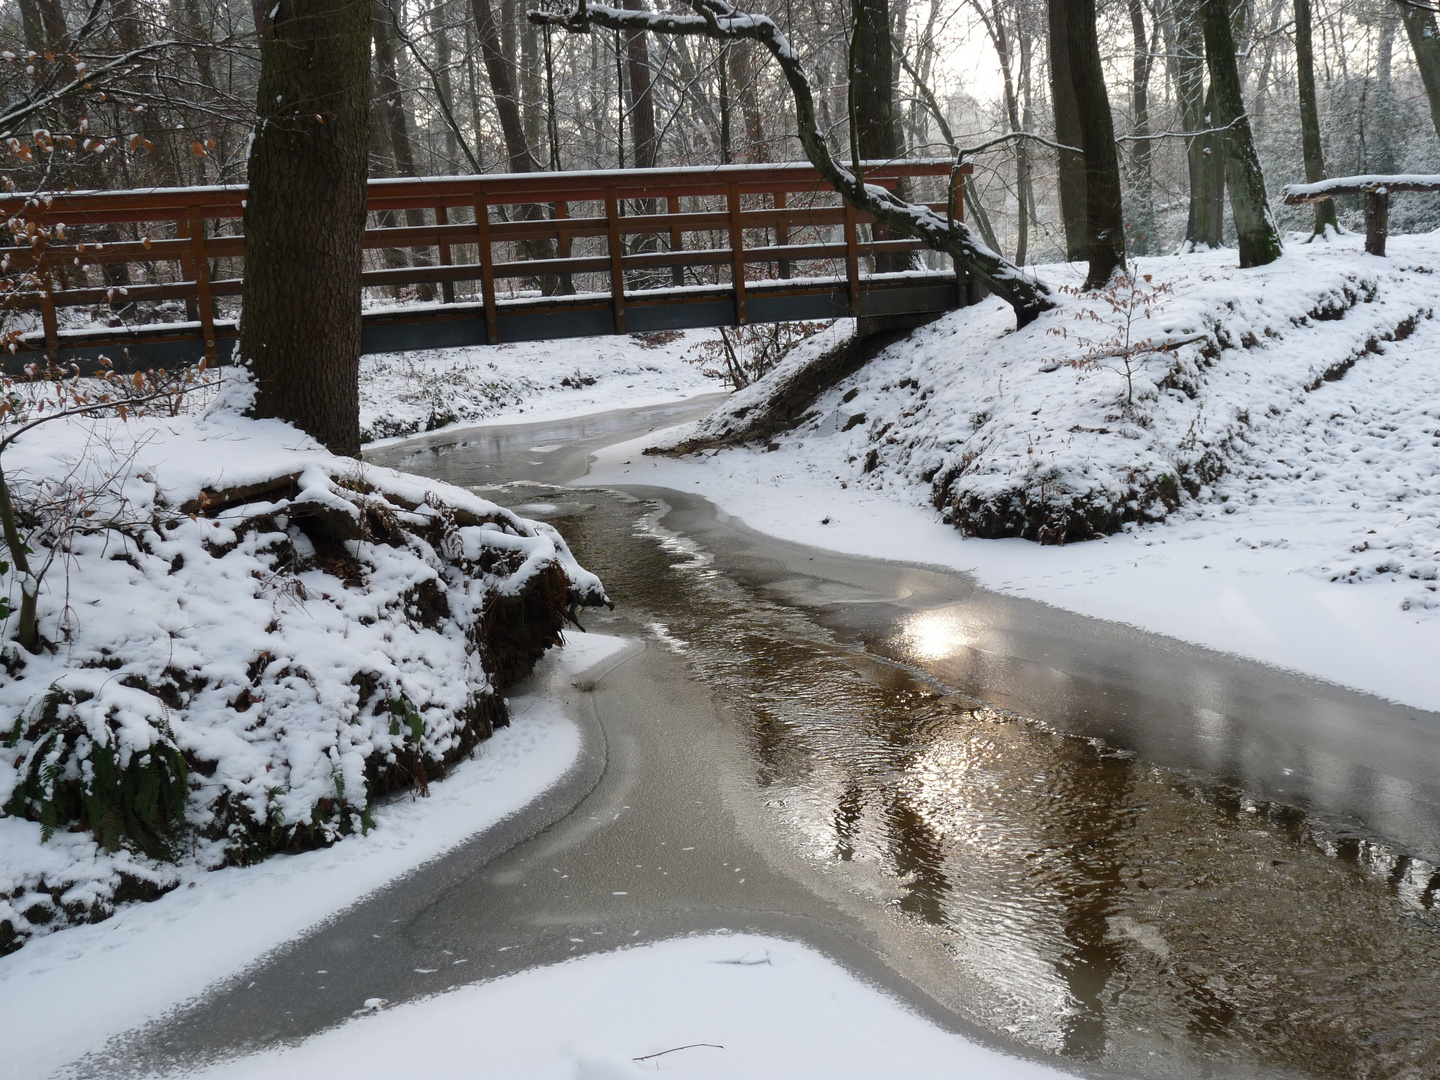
(739, 1006)
(167, 952)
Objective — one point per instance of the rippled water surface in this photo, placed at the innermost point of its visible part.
(1113, 912)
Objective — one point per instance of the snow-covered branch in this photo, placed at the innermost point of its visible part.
(716, 19)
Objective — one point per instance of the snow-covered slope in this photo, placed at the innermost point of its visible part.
(1275, 483)
(247, 640)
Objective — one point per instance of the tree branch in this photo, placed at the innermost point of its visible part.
(718, 20)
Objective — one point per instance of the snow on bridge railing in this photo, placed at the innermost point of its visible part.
(1377, 189)
(621, 232)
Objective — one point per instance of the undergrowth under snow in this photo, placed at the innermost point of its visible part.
(1306, 392)
(248, 639)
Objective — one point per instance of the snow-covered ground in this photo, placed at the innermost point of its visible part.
(149, 958)
(717, 1005)
(1311, 539)
(405, 393)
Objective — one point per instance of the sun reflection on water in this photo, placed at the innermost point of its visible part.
(934, 635)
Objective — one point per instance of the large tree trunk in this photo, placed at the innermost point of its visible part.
(305, 218)
(873, 95)
(1310, 116)
(640, 100)
(1254, 227)
(1067, 133)
(1104, 213)
(1205, 154)
(1425, 43)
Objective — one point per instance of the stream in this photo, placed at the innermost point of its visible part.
(1069, 839)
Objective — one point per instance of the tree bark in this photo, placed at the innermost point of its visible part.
(640, 98)
(1104, 213)
(873, 95)
(1067, 133)
(1310, 116)
(1254, 227)
(1424, 38)
(305, 218)
(1204, 154)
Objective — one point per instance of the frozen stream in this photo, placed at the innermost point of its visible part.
(1070, 839)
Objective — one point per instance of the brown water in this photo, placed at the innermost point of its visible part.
(1113, 911)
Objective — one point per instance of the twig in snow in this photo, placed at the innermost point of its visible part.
(687, 1046)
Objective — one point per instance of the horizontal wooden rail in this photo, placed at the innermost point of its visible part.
(1376, 189)
(622, 235)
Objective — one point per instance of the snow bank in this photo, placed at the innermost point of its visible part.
(405, 393)
(1107, 410)
(248, 640)
(719, 1006)
(170, 951)
(1306, 463)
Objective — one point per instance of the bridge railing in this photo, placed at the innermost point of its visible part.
(491, 257)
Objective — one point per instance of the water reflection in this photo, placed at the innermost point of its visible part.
(1113, 911)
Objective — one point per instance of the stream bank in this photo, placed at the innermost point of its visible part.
(1064, 877)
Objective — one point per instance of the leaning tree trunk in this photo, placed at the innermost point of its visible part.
(1310, 116)
(1104, 214)
(1067, 133)
(305, 218)
(1254, 227)
(1425, 43)
(498, 67)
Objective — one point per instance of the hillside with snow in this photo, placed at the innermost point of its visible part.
(245, 642)
(1264, 479)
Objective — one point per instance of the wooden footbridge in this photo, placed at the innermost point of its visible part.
(154, 277)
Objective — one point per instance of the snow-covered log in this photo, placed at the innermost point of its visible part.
(716, 19)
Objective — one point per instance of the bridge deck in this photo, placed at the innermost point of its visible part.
(543, 255)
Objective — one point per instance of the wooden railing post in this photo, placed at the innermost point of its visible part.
(487, 268)
(447, 287)
(852, 260)
(202, 284)
(677, 242)
(1377, 221)
(617, 255)
(782, 232)
(562, 248)
(737, 254)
